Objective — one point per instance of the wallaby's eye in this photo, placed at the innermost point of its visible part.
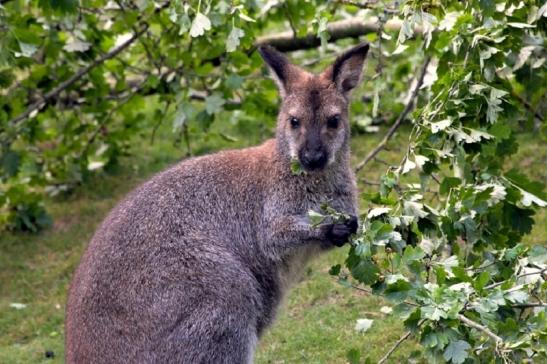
(295, 123)
(333, 121)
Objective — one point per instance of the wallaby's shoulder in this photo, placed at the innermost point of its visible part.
(231, 163)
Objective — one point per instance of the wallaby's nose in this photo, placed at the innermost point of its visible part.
(315, 158)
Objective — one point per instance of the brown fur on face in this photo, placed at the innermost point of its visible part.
(313, 120)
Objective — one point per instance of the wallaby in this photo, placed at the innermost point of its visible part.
(191, 266)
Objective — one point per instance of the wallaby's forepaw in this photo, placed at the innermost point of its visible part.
(339, 233)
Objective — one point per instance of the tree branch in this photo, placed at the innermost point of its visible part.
(394, 347)
(498, 340)
(285, 41)
(529, 305)
(75, 77)
(399, 120)
(398, 343)
(363, 5)
(527, 105)
(494, 285)
(350, 28)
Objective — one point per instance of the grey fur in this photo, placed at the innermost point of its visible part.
(191, 266)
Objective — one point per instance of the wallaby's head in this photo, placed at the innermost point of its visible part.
(313, 120)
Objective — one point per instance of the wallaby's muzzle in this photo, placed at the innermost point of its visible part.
(313, 158)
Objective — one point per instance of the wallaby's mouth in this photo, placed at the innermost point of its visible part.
(313, 160)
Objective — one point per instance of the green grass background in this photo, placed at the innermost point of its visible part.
(315, 324)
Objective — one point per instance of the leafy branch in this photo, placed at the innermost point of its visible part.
(408, 107)
(83, 71)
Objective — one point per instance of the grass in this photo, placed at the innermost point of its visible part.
(315, 324)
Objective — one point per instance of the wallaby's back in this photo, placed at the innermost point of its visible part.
(180, 245)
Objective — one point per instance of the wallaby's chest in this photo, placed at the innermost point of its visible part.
(311, 193)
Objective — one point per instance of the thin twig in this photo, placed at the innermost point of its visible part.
(397, 344)
(160, 121)
(289, 17)
(498, 340)
(364, 5)
(494, 285)
(381, 295)
(399, 120)
(527, 105)
(103, 122)
(394, 347)
(186, 134)
(143, 43)
(381, 161)
(481, 267)
(371, 183)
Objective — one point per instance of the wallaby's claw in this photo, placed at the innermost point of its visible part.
(340, 233)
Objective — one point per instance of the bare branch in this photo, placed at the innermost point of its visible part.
(160, 121)
(398, 343)
(394, 347)
(540, 272)
(400, 119)
(363, 5)
(371, 183)
(529, 305)
(349, 28)
(527, 105)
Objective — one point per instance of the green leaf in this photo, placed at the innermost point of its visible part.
(322, 32)
(27, 50)
(440, 125)
(519, 219)
(296, 167)
(481, 280)
(415, 209)
(522, 181)
(234, 81)
(184, 112)
(456, 351)
(214, 103)
(76, 45)
(316, 218)
(62, 6)
(365, 271)
(10, 163)
(233, 39)
(448, 183)
(413, 253)
(335, 270)
(517, 296)
(433, 313)
(200, 25)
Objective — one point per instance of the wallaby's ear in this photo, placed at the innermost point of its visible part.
(348, 67)
(283, 72)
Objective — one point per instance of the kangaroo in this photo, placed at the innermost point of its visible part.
(192, 265)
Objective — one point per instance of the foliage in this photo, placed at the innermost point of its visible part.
(75, 79)
(445, 247)
(443, 238)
